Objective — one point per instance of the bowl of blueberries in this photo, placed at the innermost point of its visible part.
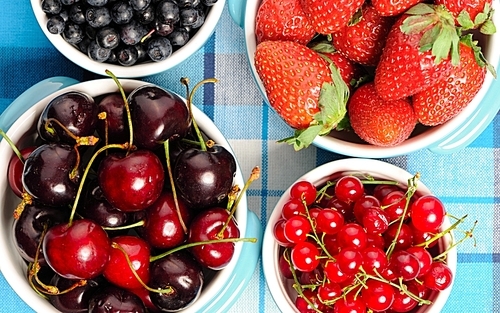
(133, 38)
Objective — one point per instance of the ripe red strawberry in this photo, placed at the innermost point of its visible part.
(363, 41)
(329, 16)
(302, 88)
(282, 20)
(471, 14)
(393, 8)
(379, 122)
(420, 50)
(443, 101)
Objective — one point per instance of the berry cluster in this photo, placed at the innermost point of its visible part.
(359, 244)
(126, 32)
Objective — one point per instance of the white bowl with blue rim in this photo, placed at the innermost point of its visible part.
(449, 137)
(19, 120)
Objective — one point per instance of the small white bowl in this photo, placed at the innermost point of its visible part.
(446, 138)
(219, 292)
(136, 70)
(280, 288)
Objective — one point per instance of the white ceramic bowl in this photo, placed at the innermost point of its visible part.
(449, 137)
(280, 288)
(136, 70)
(218, 294)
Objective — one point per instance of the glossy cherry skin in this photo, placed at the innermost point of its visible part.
(46, 174)
(77, 251)
(15, 171)
(162, 228)
(157, 115)
(183, 274)
(112, 299)
(75, 110)
(29, 227)
(206, 226)
(204, 178)
(115, 124)
(76, 300)
(132, 182)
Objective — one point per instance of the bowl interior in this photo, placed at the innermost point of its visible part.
(280, 288)
(348, 143)
(22, 132)
(137, 70)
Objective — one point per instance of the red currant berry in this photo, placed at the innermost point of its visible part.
(305, 256)
(420, 237)
(375, 221)
(293, 207)
(427, 213)
(380, 191)
(311, 305)
(405, 265)
(424, 258)
(331, 244)
(304, 190)
(329, 221)
(364, 203)
(340, 206)
(279, 234)
(374, 260)
(314, 277)
(394, 204)
(352, 235)
(439, 277)
(349, 260)
(349, 189)
(350, 303)
(334, 274)
(403, 302)
(329, 291)
(388, 273)
(296, 229)
(404, 238)
(374, 240)
(378, 296)
(284, 267)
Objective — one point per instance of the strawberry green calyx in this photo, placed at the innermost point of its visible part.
(478, 54)
(439, 33)
(332, 103)
(483, 21)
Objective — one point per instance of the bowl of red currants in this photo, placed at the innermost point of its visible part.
(121, 196)
(359, 235)
(134, 38)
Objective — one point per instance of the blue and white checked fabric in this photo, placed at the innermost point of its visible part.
(467, 181)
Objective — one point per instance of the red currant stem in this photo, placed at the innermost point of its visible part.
(315, 234)
(123, 146)
(166, 147)
(412, 188)
(117, 246)
(12, 145)
(200, 243)
(439, 235)
(320, 194)
(127, 109)
(125, 227)
(467, 234)
(254, 175)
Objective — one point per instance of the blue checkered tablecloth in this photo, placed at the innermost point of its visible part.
(468, 181)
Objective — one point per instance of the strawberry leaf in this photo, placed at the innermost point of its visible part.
(323, 47)
(303, 138)
(428, 38)
(465, 21)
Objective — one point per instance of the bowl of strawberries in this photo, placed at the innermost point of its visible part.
(375, 79)
(360, 235)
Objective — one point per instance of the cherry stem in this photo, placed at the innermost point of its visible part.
(26, 199)
(185, 82)
(104, 116)
(80, 141)
(124, 146)
(125, 227)
(127, 109)
(166, 146)
(200, 243)
(253, 176)
(168, 290)
(12, 145)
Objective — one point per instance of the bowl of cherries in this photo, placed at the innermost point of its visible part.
(133, 38)
(360, 235)
(121, 196)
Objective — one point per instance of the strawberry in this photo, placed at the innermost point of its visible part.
(471, 14)
(421, 48)
(282, 20)
(363, 41)
(443, 101)
(393, 8)
(380, 122)
(329, 16)
(303, 88)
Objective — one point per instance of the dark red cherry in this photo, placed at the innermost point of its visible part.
(162, 228)
(132, 182)
(77, 251)
(115, 124)
(15, 170)
(180, 272)
(49, 174)
(77, 299)
(204, 178)
(157, 115)
(112, 299)
(206, 226)
(75, 110)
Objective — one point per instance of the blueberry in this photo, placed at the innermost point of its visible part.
(127, 55)
(97, 53)
(159, 49)
(107, 37)
(209, 3)
(98, 16)
(132, 33)
(64, 14)
(68, 2)
(145, 16)
(73, 33)
(192, 17)
(142, 53)
(112, 58)
(167, 12)
(179, 37)
(139, 5)
(163, 29)
(51, 6)
(55, 24)
(97, 3)
(77, 13)
(84, 44)
(122, 12)
(188, 3)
